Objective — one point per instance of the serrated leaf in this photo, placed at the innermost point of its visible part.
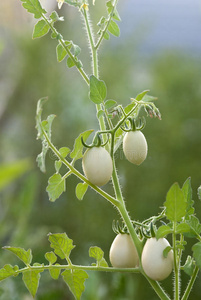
(51, 257)
(98, 90)
(166, 251)
(55, 272)
(22, 254)
(110, 103)
(8, 271)
(78, 146)
(57, 165)
(61, 244)
(141, 95)
(64, 151)
(195, 226)
(31, 280)
(113, 28)
(56, 186)
(81, 189)
(189, 266)
(175, 204)
(163, 231)
(61, 51)
(199, 192)
(34, 7)
(187, 190)
(182, 228)
(197, 254)
(75, 280)
(98, 254)
(70, 63)
(40, 29)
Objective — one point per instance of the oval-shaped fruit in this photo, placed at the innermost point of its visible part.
(123, 253)
(97, 165)
(135, 147)
(155, 265)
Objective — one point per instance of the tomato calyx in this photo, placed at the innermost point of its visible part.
(117, 228)
(134, 124)
(97, 142)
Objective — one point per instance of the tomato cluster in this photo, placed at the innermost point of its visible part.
(123, 254)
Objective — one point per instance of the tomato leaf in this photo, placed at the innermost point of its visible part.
(78, 146)
(110, 103)
(163, 231)
(64, 151)
(8, 271)
(98, 90)
(98, 254)
(56, 186)
(34, 7)
(113, 28)
(195, 227)
(141, 95)
(81, 189)
(187, 190)
(75, 280)
(40, 29)
(31, 280)
(54, 273)
(51, 257)
(61, 244)
(23, 255)
(166, 251)
(183, 228)
(61, 51)
(197, 254)
(189, 266)
(175, 204)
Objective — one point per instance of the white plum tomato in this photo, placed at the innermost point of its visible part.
(155, 265)
(135, 147)
(123, 253)
(97, 165)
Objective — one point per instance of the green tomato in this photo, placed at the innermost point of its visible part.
(97, 165)
(123, 253)
(155, 265)
(135, 147)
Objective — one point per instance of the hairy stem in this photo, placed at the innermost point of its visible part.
(190, 284)
(176, 265)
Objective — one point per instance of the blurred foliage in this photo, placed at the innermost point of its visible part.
(31, 72)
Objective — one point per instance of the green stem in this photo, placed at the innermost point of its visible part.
(190, 284)
(176, 265)
(62, 42)
(106, 27)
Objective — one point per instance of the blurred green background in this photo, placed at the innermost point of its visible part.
(29, 71)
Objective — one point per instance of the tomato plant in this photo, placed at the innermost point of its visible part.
(135, 250)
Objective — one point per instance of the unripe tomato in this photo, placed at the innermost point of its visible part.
(97, 165)
(155, 265)
(123, 253)
(135, 147)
